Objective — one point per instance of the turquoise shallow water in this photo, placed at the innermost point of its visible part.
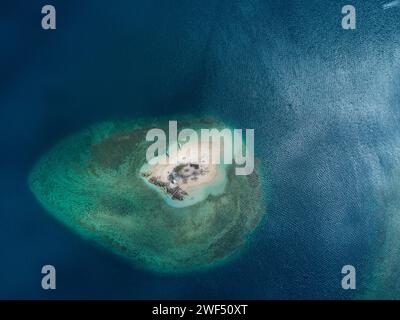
(92, 183)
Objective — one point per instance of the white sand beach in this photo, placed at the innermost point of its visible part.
(190, 176)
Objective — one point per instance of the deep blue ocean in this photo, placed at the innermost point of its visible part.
(324, 103)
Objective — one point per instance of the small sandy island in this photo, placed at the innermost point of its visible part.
(192, 177)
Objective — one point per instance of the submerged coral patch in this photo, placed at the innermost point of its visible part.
(94, 183)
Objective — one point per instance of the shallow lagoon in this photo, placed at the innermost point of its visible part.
(91, 182)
